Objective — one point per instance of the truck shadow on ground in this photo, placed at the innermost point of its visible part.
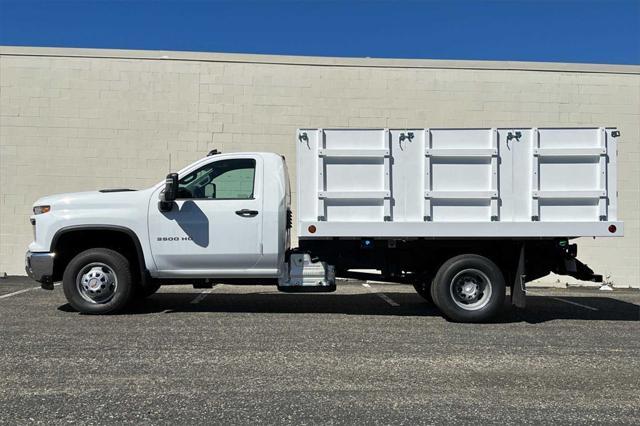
(539, 308)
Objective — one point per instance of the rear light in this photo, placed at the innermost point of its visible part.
(312, 229)
(612, 229)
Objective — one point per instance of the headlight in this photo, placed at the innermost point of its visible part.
(41, 209)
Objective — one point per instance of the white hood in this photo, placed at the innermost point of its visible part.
(89, 199)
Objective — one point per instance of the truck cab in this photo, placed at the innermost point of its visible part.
(221, 223)
(229, 218)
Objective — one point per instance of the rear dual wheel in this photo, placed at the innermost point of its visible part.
(468, 288)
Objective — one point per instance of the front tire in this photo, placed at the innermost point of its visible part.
(469, 288)
(98, 281)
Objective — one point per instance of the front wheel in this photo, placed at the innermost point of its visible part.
(98, 281)
(469, 288)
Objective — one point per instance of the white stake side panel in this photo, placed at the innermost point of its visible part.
(528, 182)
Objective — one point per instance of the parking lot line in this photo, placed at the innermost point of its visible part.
(382, 296)
(200, 297)
(24, 291)
(18, 292)
(591, 308)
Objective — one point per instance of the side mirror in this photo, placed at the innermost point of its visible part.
(168, 195)
(170, 188)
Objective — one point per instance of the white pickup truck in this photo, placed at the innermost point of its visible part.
(459, 213)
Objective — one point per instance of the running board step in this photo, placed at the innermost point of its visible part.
(302, 274)
(307, 288)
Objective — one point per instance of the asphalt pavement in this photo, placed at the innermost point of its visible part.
(366, 354)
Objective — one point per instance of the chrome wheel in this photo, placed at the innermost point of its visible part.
(470, 289)
(97, 283)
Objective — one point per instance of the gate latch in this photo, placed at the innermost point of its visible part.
(511, 135)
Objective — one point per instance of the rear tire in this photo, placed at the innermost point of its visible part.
(469, 288)
(98, 281)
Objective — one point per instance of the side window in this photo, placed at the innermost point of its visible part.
(225, 179)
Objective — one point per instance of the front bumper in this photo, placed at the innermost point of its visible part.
(39, 267)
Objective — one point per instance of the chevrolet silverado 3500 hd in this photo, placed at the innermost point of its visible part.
(459, 213)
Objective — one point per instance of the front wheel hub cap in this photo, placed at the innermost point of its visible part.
(97, 283)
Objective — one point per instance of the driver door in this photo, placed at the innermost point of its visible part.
(215, 225)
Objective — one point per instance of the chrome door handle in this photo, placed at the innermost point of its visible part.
(247, 213)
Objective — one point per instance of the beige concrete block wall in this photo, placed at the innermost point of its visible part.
(73, 120)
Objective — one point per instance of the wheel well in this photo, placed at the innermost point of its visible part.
(68, 244)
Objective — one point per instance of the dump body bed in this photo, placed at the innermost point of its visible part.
(457, 183)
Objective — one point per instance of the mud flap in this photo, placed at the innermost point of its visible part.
(518, 290)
